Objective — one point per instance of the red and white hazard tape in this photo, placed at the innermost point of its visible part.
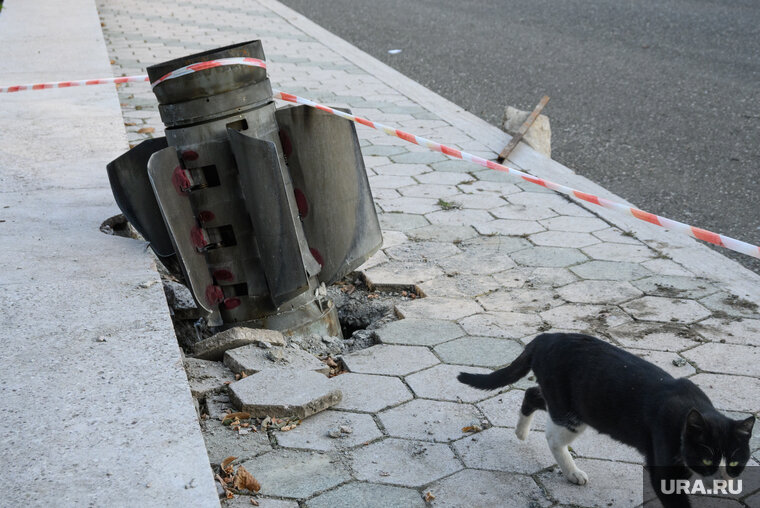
(694, 232)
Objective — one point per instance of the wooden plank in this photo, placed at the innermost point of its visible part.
(523, 129)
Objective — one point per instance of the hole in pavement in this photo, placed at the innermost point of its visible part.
(118, 225)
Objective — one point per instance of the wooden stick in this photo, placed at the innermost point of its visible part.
(523, 129)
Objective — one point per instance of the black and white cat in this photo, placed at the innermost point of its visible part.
(586, 381)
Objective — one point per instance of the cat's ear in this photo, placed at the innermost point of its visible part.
(744, 427)
(695, 422)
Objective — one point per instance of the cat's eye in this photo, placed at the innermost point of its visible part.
(733, 463)
(707, 462)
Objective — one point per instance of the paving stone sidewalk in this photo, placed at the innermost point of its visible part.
(499, 261)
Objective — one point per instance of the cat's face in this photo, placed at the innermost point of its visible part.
(709, 442)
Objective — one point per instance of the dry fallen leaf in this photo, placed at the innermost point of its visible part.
(243, 375)
(254, 502)
(471, 428)
(245, 480)
(226, 462)
(288, 427)
(429, 496)
(242, 415)
(146, 130)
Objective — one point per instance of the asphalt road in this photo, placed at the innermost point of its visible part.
(656, 100)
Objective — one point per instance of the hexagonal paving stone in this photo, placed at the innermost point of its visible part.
(207, 377)
(733, 393)
(479, 351)
(726, 358)
(368, 495)
(593, 445)
(393, 238)
(409, 205)
(520, 300)
(563, 239)
(508, 227)
(598, 291)
(670, 362)
(548, 256)
(437, 307)
(479, 201)
(514, 277)
(733, 331)
(471, 487)
(222, 442)
(575, 224)
(422, 251)
(615, 235)
(448, 178)
(510, 325)
(429, 420)
(530, 199)
(419, 332)
(494, 246)
(522, 212)
(383, 150)
(610, 270)
(404, 462)
(456, 166)
(390, 181)
(484, 187)
(731, 305)
(459, 217)
(666, 267)
(619, 252)
(389, 360)
(499, 449)
(440, 382)
(578, 316)
(503, 410)
(244, 501)
(296, 474)
(312, 433)
(672, 286)
(429, 190)
(441, 233)
(401, 221)
(462, 286)
(476, 263)
(657, 336)
(550, 277)
(400, 273)
(284, 393)
(609, 484)
(252, 359)
(418, 157)
(655, 308)
(402, 169)
(369, 393)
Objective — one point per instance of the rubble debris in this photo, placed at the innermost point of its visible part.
(180, 300)
(206, 377)
(213, 348)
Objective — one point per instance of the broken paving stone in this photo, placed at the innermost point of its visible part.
(181, 300)
(284, 393)
(206, 377)
(252, 359)
(213, 348)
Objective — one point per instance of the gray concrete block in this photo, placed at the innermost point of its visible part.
(526, 300)
(367, 495)
(609, 484)
(404, 462)
(419, 332)
(207, 377)
(732, 305)
(296, 474)
(180, 300)
(252, 359)
(284, 393)
(499, 449)
(656, 308)
(425, 251)
(555, 257)
(401, 221)
(510, 325)
(437, 308)
(675, 287)
(330, 430)
(619, 252)
(599, 291)
(733, 358)
(656, 336)
(439, 233)
(479, 351)
(462, 286)
(471, 487)
(610, 270)
(213, 348)
(390, 360)
(440, 383)
(369, 393)
(429, 420)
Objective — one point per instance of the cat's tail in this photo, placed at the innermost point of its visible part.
(512, 373)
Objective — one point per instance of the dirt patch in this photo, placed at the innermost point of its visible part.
(740, 303)
(118, 225)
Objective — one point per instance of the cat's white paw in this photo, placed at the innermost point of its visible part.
(577, 477)
(522, 432)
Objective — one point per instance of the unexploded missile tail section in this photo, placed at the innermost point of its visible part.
(259, 206)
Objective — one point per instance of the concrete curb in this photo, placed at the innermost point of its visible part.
(96, 406)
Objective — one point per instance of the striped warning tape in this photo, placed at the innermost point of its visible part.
(694, 232)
